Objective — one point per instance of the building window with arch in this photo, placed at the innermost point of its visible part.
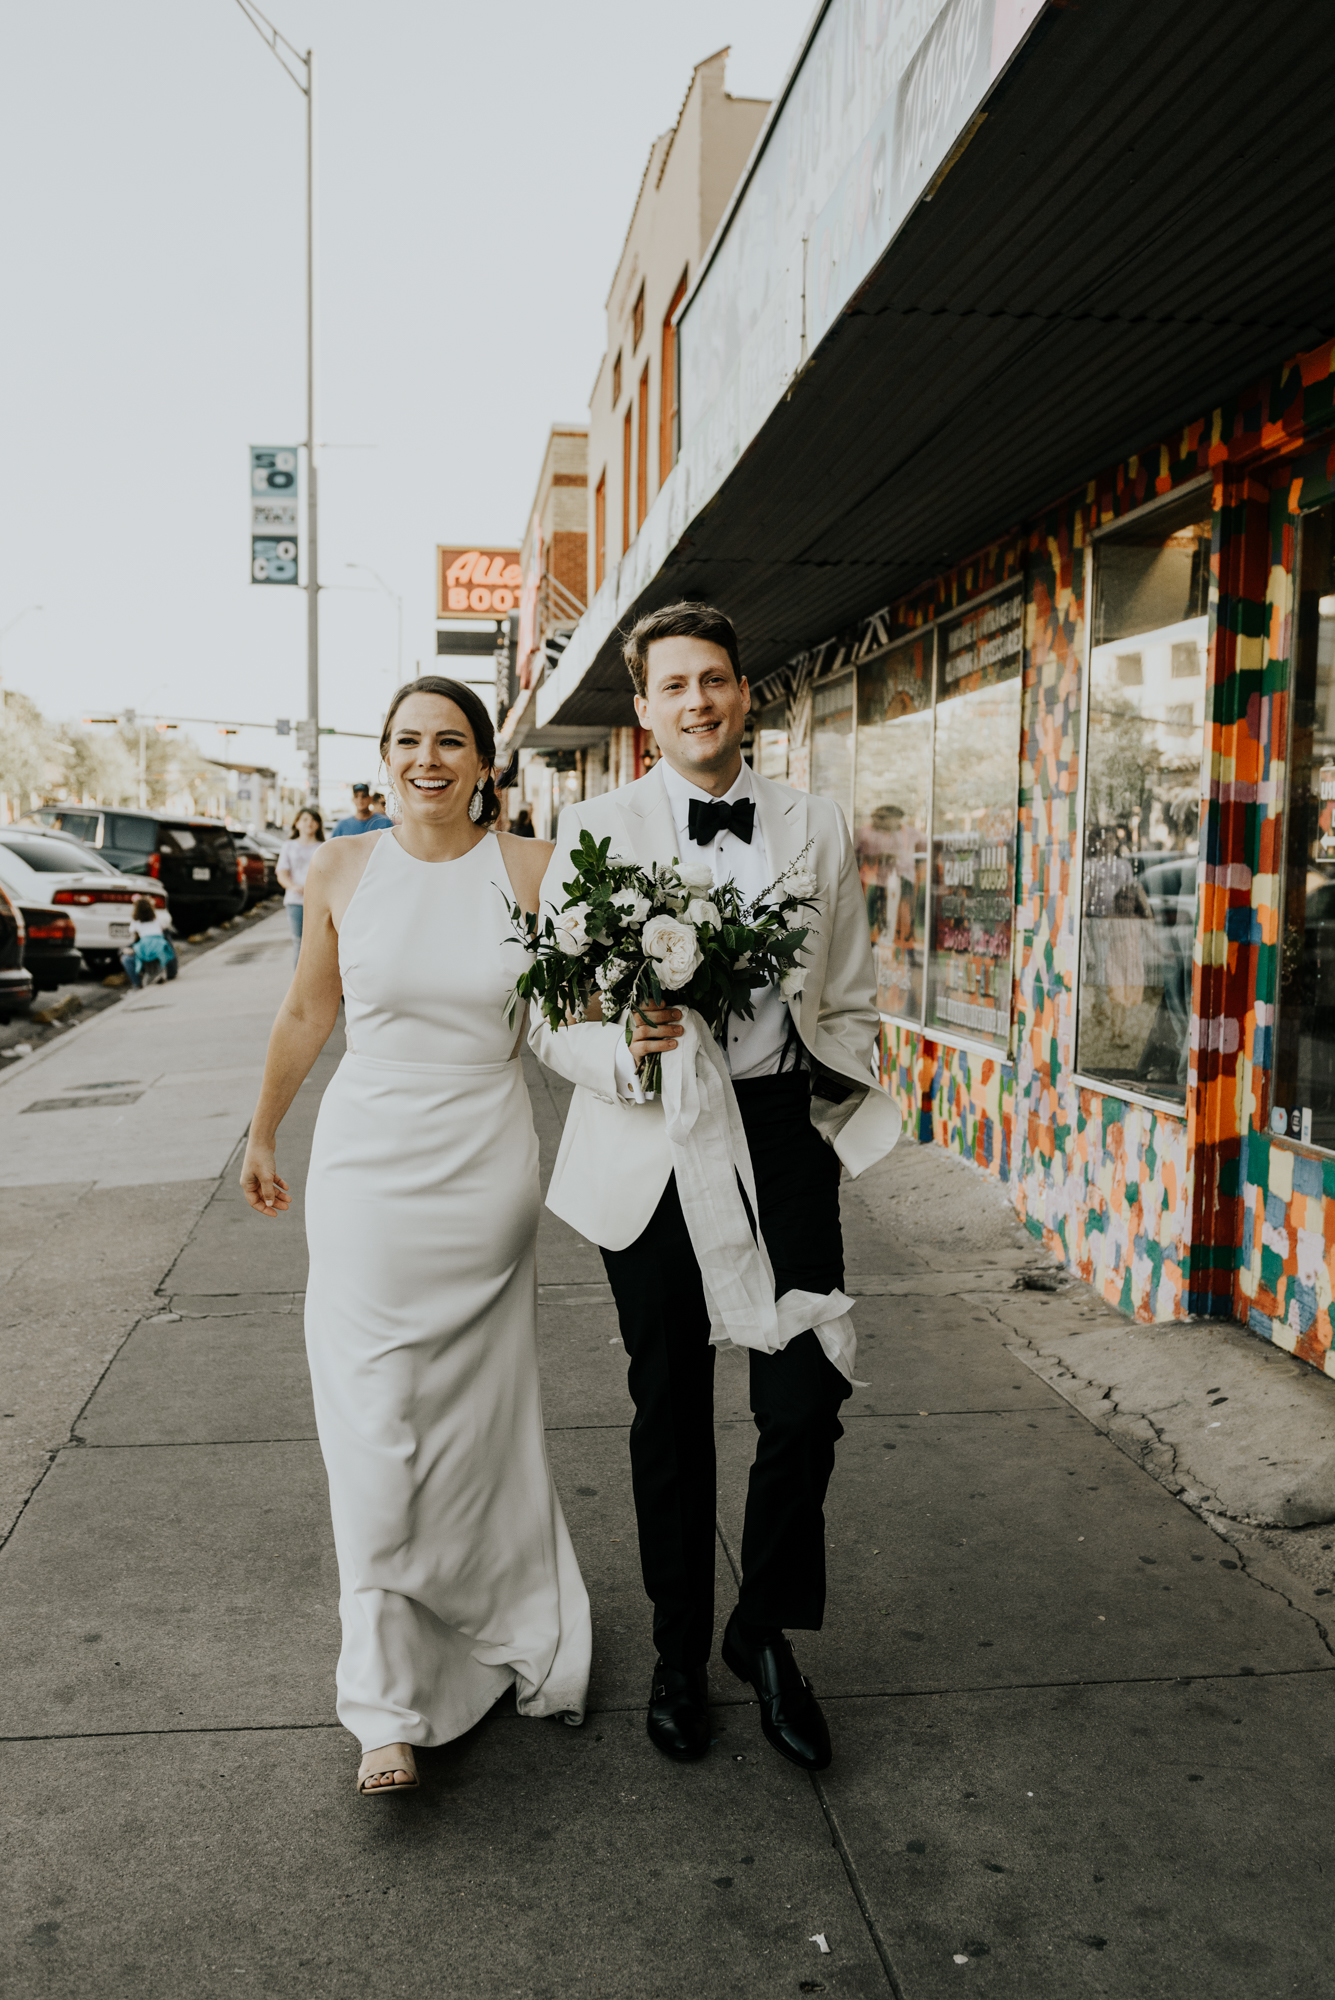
(642, 461)
(667, 386)
(625, 481)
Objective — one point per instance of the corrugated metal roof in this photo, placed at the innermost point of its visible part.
(1141, 225)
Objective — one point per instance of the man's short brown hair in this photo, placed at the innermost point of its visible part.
(677, 621)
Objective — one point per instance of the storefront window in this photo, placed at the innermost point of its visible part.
(974, 796)
(894, 773)
(1304, 1087)
(1146, 694)
(832, 741)
(769, 742)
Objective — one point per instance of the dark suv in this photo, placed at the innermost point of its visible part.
(194, 859)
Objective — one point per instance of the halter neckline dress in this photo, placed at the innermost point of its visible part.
(457, 1576)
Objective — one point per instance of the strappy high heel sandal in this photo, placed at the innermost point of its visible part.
(393, 1757)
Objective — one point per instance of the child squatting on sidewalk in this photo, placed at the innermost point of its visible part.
(153, 956)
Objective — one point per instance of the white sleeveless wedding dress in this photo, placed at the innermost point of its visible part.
(457, 1576)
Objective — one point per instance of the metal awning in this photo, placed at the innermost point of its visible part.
(1141, 224)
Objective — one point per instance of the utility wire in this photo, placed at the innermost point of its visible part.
(271, 37)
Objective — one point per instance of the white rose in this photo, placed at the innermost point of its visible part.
(802, 882)
(572, 929)
(673, 948)
(698, 913)
(696, 874)
(792, 982)
(633, 906)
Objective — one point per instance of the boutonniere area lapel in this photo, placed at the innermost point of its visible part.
(635, 937)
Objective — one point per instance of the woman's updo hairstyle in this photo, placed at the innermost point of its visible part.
(484, 736)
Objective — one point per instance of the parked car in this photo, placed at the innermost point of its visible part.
(195, 860)
(261, 867)
(49, 870)
(16, 987)
(49, 950)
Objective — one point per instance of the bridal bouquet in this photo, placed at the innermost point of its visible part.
(637, 937)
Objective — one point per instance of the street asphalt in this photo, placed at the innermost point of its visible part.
(1083, 1741)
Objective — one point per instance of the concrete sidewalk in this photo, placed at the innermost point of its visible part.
(1081, 1748)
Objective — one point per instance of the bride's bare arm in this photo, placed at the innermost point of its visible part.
(305, 1019)
(526, 864)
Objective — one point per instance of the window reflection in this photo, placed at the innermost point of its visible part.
(1146, 694)
(894, 769)
(1304, 1086)
(832, 742)
(769, 753)
(975, 773)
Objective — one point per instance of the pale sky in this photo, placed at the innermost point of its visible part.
(476, 174)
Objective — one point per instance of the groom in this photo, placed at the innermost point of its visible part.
(801, 1070)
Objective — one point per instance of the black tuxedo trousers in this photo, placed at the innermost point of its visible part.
(795, 1394)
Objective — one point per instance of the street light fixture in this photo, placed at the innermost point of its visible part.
(281, 49)
(398, 605)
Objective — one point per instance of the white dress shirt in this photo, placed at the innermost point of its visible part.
(754, 1047)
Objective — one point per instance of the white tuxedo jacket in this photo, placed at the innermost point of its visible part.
(615, 1160)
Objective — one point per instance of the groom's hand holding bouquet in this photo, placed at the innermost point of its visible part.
(639, 939)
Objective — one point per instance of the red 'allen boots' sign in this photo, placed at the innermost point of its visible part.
(477, 583)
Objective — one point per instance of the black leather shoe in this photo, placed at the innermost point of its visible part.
(789, 1712)
(679, 1712)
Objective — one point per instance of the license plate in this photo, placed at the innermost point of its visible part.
(199, 874)
(118, 930)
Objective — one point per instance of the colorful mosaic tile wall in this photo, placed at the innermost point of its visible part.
(1165, 1215)
(1284, 1195)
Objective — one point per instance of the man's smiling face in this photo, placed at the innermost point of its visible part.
(697, 708)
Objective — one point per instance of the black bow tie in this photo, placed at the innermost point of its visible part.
(706, 817)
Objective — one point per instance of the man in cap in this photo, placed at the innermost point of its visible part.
(362, 818)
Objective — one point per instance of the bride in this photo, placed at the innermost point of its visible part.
(457, 1576)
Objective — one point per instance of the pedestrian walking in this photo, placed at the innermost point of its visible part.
(152, 955)
(294, 859)
(458, 1579)
(800, 1078)
(523, 825)
(363, 818)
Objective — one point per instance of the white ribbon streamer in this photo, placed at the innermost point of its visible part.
(709, 1155)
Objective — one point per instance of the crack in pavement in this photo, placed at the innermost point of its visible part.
(1157, 1456)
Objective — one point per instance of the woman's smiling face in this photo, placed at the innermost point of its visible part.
(433, 759)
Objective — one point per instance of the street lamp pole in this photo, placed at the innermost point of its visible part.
(312, 476)
(286, 55)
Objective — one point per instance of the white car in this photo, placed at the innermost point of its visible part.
(50, 869)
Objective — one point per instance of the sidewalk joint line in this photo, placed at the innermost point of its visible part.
(836, 1836)
(840, 1846)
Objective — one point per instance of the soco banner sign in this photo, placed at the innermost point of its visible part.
(273, 513)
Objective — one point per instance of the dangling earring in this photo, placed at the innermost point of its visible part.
(391, 802)
(475, 803)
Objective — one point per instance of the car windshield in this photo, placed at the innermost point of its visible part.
(214, 841)
(139, 835)
(54, 857)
